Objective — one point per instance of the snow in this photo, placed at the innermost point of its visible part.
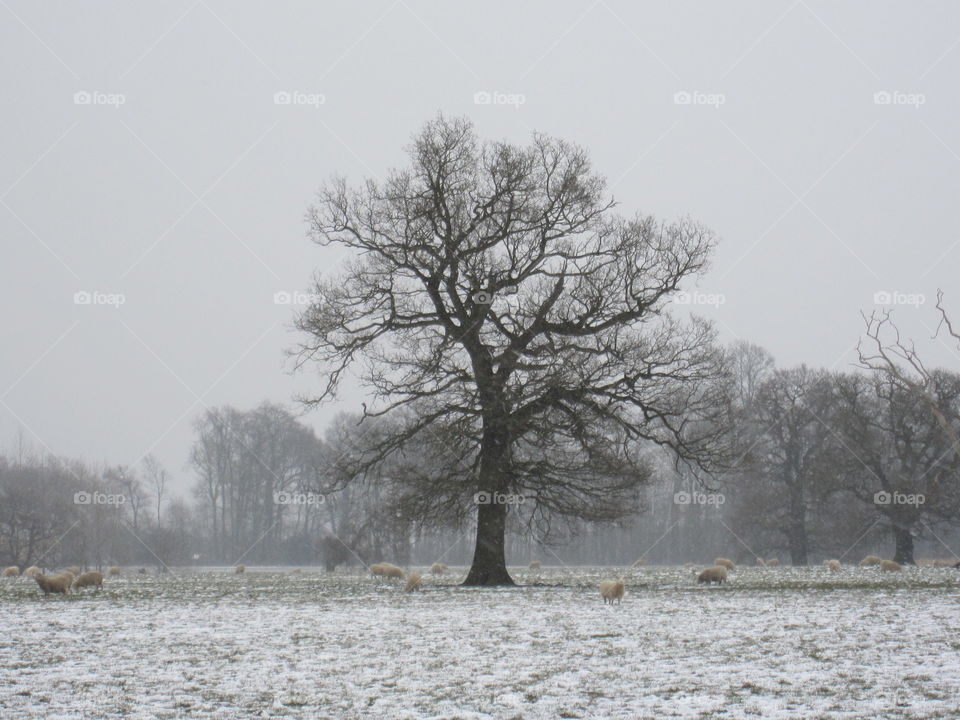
(773, 643)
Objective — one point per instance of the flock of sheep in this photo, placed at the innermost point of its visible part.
(610, 590)
(63, 581)
(717, 573)
(613, 590)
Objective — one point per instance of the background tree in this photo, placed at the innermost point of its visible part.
(884, 351)
(156, 477)
(793, 454)
(251, 466)
(495, 294)
(899, 459)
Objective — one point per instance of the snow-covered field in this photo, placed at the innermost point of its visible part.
(774, 643)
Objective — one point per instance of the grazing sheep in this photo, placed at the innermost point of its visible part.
(832, 565)
(870, 560)
(387, 570)
(114, 571)
(11, 571)
(534, 564)
(142, 571)
(32, 571)
(239, 569)
(773, 562)
(611, 590)
(414, 580)
(438, 568)
(890, 566)
(73, 569)
(295, 571)
(716, 574)
(55, 583)
(640, 562)
(761, 562)
(89, 579)
(724, 562)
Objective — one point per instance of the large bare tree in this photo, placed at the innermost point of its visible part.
(496, 300)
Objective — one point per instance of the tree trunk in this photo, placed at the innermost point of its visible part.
(489, 561)
(489, 565)
(904, 546)
(797, 531)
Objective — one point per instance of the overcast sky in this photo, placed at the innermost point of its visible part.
(148, 159)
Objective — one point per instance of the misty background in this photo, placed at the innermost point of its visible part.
(167, 154)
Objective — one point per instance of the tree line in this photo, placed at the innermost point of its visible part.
(825, 464)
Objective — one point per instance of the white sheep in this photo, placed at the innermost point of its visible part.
(716, 574)
(414, 580)
(611, 590)
(387, 570)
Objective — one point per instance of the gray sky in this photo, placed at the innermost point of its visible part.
(178, 182)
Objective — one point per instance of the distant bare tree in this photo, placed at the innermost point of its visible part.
(36, 509)
(157, 477)
(795, 452)
(127, 482)
(248, 464)
(884, 350)
(924, 456)
(495, 294)
(897, 452)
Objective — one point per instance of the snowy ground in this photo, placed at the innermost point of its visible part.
(774, 643)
